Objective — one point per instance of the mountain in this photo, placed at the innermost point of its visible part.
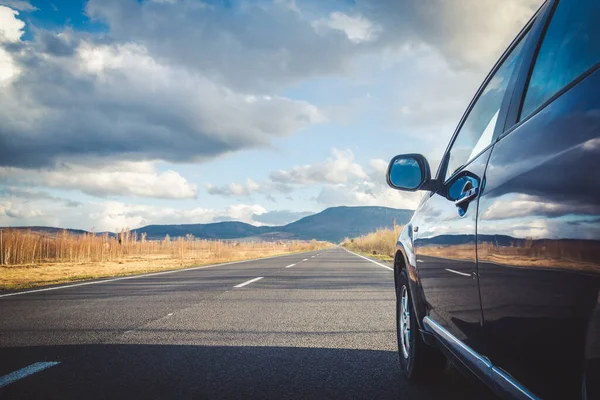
(336, 223)
(333, 225)
(216, 230)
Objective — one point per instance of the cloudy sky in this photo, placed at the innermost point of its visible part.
(122, 113)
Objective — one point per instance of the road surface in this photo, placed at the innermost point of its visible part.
(315, 325)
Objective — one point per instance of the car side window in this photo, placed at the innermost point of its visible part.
(570, 47)
(477, 130)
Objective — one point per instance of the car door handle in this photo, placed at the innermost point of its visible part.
(467, 197)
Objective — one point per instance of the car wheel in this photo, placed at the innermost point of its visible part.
(417, 360)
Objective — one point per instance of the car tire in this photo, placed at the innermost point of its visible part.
(418, 361)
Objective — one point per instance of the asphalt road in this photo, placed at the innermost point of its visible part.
(322, 328)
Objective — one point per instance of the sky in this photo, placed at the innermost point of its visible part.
(124, 113)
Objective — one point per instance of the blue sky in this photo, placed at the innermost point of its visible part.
(122, 113)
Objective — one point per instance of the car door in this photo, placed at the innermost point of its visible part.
(538, 230)
(445, 223)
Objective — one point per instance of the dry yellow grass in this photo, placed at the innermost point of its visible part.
(30, 259)
(380, 244)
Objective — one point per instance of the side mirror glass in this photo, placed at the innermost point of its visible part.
(409, 172)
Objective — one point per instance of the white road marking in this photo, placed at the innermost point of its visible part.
(456, 272)
(24, 372)
(137, 276)
(249, 282)
(290, 266)
(168, 315)
(312, 256)
(306, 259)
(368, 259)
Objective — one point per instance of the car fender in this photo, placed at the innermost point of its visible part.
(405, 259)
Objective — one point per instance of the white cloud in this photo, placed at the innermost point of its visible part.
(378, 170)
(244, 213)
(211, 84)
(338, 169)
(20, 211)
(144, 95)
(426, 112)
(11, 28)
(8, 69)
(262, 46)
(119, 179)
(367, 194)
(240, 190)
(21, 5)
(113, 215)
(339, 179)
(357, 28)
(442, 95)
(251, 46)
(469, 33)
(27, 194)
(82, 98)
(38, 208)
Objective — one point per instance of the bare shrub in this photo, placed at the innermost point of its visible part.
(382, 241)
(22, 247)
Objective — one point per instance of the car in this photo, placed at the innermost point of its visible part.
(499, 268)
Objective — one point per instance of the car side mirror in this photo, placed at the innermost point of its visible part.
(410, 172)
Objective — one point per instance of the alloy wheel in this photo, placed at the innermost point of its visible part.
(404, 319)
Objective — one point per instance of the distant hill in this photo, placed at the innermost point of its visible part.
(217, 230)
(336, 223)
(333, 225)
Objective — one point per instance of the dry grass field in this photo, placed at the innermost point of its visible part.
(29, 259)
(380, 244)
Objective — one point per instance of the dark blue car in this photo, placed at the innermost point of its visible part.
(499, 268)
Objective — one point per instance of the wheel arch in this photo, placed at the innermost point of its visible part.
(399, 265)
(401, 262)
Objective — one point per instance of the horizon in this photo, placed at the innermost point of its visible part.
(257, 111)
(126, 228)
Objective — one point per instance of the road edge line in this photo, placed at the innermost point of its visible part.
(249, 282)
(25, 372)
(368, 259)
